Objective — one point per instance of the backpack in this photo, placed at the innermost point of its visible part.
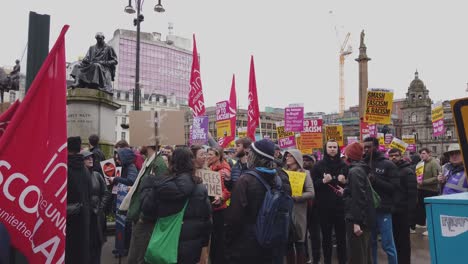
(274, 217)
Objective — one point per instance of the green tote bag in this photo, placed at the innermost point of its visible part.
(164, 242)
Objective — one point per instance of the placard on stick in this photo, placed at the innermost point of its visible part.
(149, 128)
(212, 181)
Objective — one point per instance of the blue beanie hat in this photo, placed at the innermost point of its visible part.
(264, 148)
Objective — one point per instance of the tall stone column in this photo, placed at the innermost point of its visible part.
(363, 75)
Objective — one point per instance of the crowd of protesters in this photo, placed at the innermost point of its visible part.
(353, 200)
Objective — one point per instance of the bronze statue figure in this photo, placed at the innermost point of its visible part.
(97, 70)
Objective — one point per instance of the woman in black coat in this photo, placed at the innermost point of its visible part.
(172, 193)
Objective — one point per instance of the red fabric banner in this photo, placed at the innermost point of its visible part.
(253, 111)
(232, 111)
(33, 165)
(196, 101)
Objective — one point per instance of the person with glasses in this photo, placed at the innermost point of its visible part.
(453, 178)
(403, 215)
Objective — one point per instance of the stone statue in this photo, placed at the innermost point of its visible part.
(97, 70)
(10, 81)
(362, 39)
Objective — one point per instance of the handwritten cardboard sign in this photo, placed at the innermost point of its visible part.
(212, 181)
(296, 179)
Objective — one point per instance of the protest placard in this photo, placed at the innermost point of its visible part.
(311, 137)
(437, 116)
(352, 140)
(411, 141)
(388, 140)
(118, 173)
(399, 144)
(334, 131)
(162, 127)
(379, 103)
(242, 132)
(420, 171)
(223, 128)
(222, 111)
(294, 118)
(296, 179)
(212, 181)
(108, 167)
(199, 135)
(286, 139)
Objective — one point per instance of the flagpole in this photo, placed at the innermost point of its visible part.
(260, 125)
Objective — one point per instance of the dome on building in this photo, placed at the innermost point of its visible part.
(417, 84)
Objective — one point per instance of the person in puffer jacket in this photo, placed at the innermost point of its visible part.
(217, 163)
(126, 159)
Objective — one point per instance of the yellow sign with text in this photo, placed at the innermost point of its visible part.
(334, 132)
(223, 128)
(399, 144)
(296, 179)
(379, 104)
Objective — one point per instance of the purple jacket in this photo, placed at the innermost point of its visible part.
(456, 180)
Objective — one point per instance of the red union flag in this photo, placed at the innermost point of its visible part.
(232, 112)
(253, 111)
(196, 101)
(33, 165)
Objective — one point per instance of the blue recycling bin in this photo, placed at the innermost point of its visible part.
(447, 224)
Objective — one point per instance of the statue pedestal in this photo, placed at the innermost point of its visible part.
(91, 111)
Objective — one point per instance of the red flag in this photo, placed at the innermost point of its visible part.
(33, 165)
(232, 112)
(253, 111)
(196, 101)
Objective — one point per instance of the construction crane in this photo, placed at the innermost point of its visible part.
(343, 54)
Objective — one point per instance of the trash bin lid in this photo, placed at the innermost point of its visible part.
(458, 198)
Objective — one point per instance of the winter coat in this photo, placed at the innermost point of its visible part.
(129, 170)
(384, 179)
(406, 193)
(77, 249)
(100, 197)
(325, 197)
(222, 167)
(359, 206)
(455, 179)
(98, 156)
(241, 216)
(4, 245)
(431, 171)
(236, 172)
(172, 194)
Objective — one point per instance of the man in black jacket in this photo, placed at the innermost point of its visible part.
(359, 208)
(98, 155)
(405, 206)
(384, 179)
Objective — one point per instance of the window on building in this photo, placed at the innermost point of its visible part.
(269, 126)
(124, 109)
(116, 120)
(263, 126)
(122, 135)
(434, 149)
(124, 120)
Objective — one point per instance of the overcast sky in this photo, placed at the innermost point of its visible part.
(294, 43)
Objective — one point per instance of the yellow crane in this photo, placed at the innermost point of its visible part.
(343, 54)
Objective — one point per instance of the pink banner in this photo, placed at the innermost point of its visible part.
(287, 142)
(313, 125)
(439, 128)
(222, 111)
(294, 118)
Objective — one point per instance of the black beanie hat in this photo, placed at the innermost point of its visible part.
(264, 148)
(74, 144)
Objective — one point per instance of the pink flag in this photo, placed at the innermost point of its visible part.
(253, 111)
(232, 111)
(196, 101)
(33, 165)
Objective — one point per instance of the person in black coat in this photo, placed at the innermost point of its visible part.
(359, 208)
(405, 206)
(171, 194)
(385, 181)
(329, 176)
(246, 200)
(77, 249)
(4, 245)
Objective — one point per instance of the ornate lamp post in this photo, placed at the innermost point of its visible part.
(136, 22)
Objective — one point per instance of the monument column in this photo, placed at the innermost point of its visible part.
(363, 75)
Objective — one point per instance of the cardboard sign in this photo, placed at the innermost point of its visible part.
(294, 118)
(223, 128)
(222, 111)
(212, 181)
(118, 173)
(286, 139)
(296, 179)
(399, 144)
(313, 125)
(420, 171)
(311, 137)
(108, 167)
(388, 140)
(379, 104)
(199, 131)
(437, 116)
(162, 127)
(411, 141)
(334, 132)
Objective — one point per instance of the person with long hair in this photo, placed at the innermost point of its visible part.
(296, 247)
(217, 163)
(173, 192)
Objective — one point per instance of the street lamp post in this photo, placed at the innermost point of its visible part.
(136, 22)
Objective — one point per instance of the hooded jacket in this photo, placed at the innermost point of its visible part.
(384, 179)
(359, 207)
(129, 171)
(325, 196)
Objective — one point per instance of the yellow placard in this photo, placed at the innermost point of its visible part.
(379, 104)
(282, 133)
(437, 112)
(334, 132)
(409, 139)
(420, 171)
(381, 138)
(223, 128)
(399, 144)
(296, 179)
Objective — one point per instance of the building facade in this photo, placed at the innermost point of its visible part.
(164, 65)
(416, 119)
